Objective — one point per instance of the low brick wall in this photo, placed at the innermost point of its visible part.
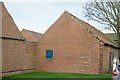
(17, 56)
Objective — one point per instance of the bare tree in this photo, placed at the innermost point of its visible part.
(106, 13)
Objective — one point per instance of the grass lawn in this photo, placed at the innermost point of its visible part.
(58, 75)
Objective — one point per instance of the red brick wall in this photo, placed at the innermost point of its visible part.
(0, 20)
(12, 54)
(17, 55)
(75, 49)
(28, 36)
(106, 55)
(0, 57)
(30, 55)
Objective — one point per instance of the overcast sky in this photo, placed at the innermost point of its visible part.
(39, 15)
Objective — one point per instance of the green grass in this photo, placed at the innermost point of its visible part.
(58, 75)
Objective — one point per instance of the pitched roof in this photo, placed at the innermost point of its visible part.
(96, 33)
(31, 35)
(112, 36)
(7, 25)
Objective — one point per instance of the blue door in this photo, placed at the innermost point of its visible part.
(49, 54)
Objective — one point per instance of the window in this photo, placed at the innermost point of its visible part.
(49, 54)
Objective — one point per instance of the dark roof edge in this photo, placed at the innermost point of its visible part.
(106, 44)
(13, 38)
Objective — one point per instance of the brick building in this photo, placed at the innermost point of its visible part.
(72, 45)
(69, 45)
(31, 36)
(17, 54)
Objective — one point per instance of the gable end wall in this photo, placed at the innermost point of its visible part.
(75, 49)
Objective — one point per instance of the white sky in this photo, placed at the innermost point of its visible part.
(39, 15)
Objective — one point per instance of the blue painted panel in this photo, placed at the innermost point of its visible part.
(49, 53)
